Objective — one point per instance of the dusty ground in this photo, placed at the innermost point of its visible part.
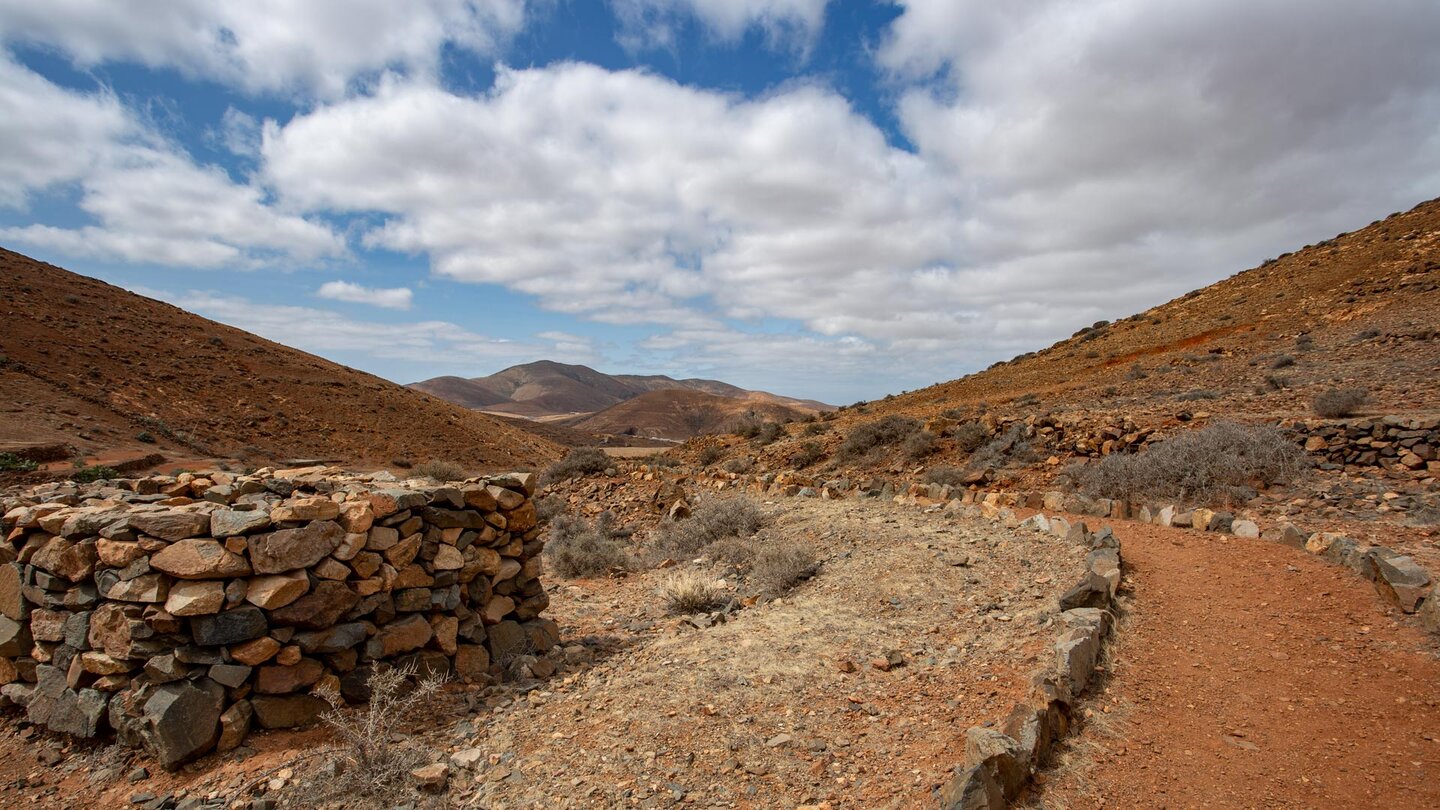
(778, 707)
(1250, 674)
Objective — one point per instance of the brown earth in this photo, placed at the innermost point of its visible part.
(90, 366)
(1251, 674)
(546, 389)
(682, 415)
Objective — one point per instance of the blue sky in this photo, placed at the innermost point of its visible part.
(826, 199)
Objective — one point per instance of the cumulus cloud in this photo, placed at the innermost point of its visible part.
(150, 202)
(349, 292)
(314, 47)
(655, 23)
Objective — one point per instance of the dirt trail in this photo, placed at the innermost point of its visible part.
(1250, 674)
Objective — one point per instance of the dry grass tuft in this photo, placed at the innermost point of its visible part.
(441, 471)
(692, 592)
(778, 567)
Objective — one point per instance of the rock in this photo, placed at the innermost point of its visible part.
(232, 522)
(196, 598)
(200, 559)
(356, 516)
(318, 609)
(114, 629)
(181, 721)
(289, 549)
(1402, 581)
(1429, 612)
(472, 663)
(1076, 653)
(431, 777)
(231, 627)
(273, 591)
(333, 639)
(12, 603)
(286, 711)
(1092, 591)
(170, 526)
(165, 668)
(974, 789)
(1002, 756)
(404, 635)
(256, 652)
(278, 680)
(231, 675)
(150, 588)
(234, 726)
(305, 509)
(64, 558)
(1037, 521)
(79, 713)
(448, 558)
(1245, 528)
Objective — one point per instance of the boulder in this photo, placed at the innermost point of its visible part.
(305, 509)
(1091, 591)
(1402, 581)
(182, 721)
(973, 789)
(289, 549)
(401, 636)
(1245, 528)
(151, 588)
(170, 526)
(232, 522)
(197, 598)
(199, 559)
(274, 591)
(1075, 654)
(319, 608)
(1002, 756)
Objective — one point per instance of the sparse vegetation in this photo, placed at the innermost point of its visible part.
(951, 476)
(1191, 396)
(1010, 447)
(778, 567)
(1304, 343)
(1026, 400)
(581, 548)
(662, 459)
(1336, 403)
(738, 466)
(806, 454)
(373, 761)
(578, 463)
(768, 433)
(1282, 361)
(713, 520)
(144, 436)
(1219, 463)
(709, 455)
(548, 507)
(970, 436)
(1136, 372)
(441, 471)
(689, 591)
(9, 462)
(883, 432)
(918, 445)
(816, 429)
(88, 475)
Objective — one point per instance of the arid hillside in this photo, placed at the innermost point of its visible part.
(103, 374)
(683, 414)
(546, 389)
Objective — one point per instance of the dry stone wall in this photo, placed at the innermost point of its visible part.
(177, 612)
(1394, 443)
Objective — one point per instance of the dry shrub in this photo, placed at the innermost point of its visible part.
(970, 436)
(709, 455)
(952, 476)
(778, 567)
(692, 592)
(919, 445)
(1219, 463)
(768, 433)
(816, 428)
(370, 767)
(1335, 403)
(714, 519)
(883, 432)
(806, 454)
(577, 463)
(441, 471)
(1191, 396)
(579, 548)
(549, 507)
(738, 466)
(1282, 361)
(1010, 447)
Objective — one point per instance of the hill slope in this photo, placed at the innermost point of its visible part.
(92, 366)
(546, 388)
(681, 414)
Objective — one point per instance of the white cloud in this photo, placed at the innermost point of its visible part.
(316, 46)
(238, 133)
(654, 23)
(390, 298)
(150, 202)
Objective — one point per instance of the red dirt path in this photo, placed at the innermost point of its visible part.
(1251, 674)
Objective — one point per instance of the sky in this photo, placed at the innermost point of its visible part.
(832, 199)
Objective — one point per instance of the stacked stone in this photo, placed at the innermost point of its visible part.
(1394, 443)
(177, 611)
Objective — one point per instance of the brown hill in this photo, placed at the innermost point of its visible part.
(1355, 311)
(108, 374)
(679, 415)
(546, 388)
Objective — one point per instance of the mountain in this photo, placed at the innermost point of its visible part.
(88, 369)
(682, 414)
(548, 389)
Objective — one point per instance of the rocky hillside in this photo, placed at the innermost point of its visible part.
(547, 389)
(680, 415)
(90, 370)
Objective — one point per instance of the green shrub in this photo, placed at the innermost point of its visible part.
(9, 462)
(144, 436)
(87, 475)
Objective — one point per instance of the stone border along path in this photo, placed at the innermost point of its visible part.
(999, 765)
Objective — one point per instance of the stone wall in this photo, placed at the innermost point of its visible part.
(1392, 442)
(178, 611)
